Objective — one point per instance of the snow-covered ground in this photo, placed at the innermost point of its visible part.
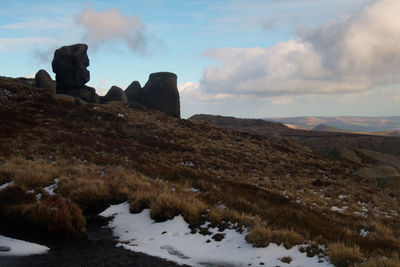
(173, 240)
(15, 247)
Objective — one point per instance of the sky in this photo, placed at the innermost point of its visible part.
(242, 58)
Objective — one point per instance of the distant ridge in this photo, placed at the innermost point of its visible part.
(350, 123)
(327, 128)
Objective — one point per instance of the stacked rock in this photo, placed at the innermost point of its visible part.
(70, 66)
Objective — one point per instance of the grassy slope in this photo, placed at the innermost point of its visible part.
(110, 153)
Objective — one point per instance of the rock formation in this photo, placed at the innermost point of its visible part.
(115, 94)
(133, 92)
(160, 93)
(43, 80)
(70, 66)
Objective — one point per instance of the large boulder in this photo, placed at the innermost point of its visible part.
(70, 66)
(43, 80)
(115, 94)
(161, 93)
(134, 92)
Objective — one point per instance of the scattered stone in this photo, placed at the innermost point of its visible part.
(80, 101)
(63, 98)
(286, 259)
(4, 248)
(218, 237)
(43, 80)
(115, 94)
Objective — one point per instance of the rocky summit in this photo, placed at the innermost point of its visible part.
(70, 66)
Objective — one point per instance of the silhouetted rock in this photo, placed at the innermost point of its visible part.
(115, 94)
(85, 92)
(43, 80)
(69, 65)
(161, 93)
(134, 92)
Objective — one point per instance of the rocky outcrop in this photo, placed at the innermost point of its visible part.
(43, 80)
(160, 93)
(134, 92)
(70, 66)
(115, 94)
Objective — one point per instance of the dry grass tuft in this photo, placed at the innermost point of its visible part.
(392, 261)
(166, 206)
(28, 173)
(342, 255)
(217, 215)
(287, 259)
(57, 214)
(52, 213)
(259, 236)
(90, 194)
(289, 238)
(141, 200)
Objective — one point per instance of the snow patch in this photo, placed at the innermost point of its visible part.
(50, 189)
(4, 186)
(341, 210)
(16, 247)
(174, 241)
(364, 232)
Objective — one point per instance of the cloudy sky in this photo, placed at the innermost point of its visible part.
(243, 58)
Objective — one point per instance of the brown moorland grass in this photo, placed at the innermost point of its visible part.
(53, 214)
(343, 255)
(27, 173)
(152, 160)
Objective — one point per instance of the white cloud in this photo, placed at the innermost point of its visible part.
(112, 26)
(353, 54)
(191, 91)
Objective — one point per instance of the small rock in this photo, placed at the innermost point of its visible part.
(115, 94)
(4, 248)
(43, 80)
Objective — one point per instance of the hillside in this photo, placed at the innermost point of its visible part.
(95, 155)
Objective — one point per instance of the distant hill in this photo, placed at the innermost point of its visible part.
(327, 128)
(353, 124)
